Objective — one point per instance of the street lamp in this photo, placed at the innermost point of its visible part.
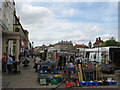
(98, 53)
(83, 50)
(32, 49)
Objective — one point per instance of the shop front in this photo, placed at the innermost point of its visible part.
(11, 43)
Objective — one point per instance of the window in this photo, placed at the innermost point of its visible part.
(16, 29)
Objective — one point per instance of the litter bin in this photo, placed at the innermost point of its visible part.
(117, 74)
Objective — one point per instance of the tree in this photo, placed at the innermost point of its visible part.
(110, 42)
(103, 45)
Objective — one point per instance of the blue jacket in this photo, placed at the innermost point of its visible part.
(9, 60)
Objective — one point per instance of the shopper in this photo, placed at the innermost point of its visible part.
(4, 62)
(72, 58)
(37, 61)
(70, 66)
(64, 58)
(9, 64)
(60, 60)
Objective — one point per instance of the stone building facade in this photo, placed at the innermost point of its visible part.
(64, 46)
(11, 37)
(7, 20)
(24, 41)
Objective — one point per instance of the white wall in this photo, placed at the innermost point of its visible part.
(91, 56)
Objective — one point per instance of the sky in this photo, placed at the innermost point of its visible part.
(79, 22)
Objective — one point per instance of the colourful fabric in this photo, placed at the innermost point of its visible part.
(4, 59)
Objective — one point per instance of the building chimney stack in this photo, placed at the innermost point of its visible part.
(96, 39)
(99, 38)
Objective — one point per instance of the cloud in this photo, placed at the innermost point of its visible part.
(34, 14)
(68, 13)
(66, 0)
(46, 28)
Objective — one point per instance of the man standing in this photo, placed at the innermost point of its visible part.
(72, 58)
(37, 61)
(9, 64)
(64, 62)
(60, 61)
(4, 62)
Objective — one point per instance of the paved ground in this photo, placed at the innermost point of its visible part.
(28, 79)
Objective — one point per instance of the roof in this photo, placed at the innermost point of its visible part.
(81, 46)
(51, 46)
(98, 41)
(65, 42)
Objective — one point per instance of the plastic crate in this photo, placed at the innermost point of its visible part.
(77, 83)
(93, 83)
(43, 82)
(55, 81)
(110, 82)
(87, 83)
(49, 81)
(69, 84)
(71, 69)
(54, 72)
(82, 84)
(42, 71)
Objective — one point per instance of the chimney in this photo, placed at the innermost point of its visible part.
(96, 39)
(99, 39)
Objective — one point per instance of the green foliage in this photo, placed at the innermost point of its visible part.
(111, 42)
(103, 45)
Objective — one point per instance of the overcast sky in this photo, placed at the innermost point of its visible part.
(80, 22)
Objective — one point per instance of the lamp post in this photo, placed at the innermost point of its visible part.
(98, 53)
(32, 49)
(83, 50)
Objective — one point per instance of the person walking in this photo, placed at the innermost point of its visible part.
(60, 60)
(4, 62)
(72, 58)
(37, 61)
(9, 64)
(64, 61)
(70, 65)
